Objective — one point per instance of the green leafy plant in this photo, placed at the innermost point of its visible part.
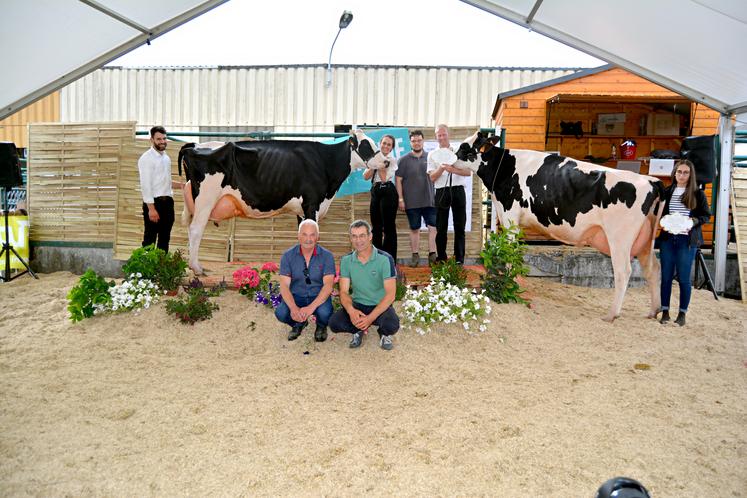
(165, 269)
(401, 290)
(172, 269)
(503, 259)
(91, 293)
(145, 261)
(192, 306)
(450, 272)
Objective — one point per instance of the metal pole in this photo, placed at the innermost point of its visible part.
(329, 62)
(726, 134)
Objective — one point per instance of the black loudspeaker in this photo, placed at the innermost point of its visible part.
(701, 151)
(10, 167)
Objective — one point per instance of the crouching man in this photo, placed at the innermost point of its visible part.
(307, 273)
(373, 276)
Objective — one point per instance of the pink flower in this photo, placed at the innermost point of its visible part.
(246, 276)
(270, 266)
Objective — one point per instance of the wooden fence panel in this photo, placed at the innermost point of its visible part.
(129, 219)
(266, 240)
(72, 180)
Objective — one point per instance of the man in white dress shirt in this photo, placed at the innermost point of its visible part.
(450, 185)
(155, 183)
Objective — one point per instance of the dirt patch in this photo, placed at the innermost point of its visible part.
(551, 401)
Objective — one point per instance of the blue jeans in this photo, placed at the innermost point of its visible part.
(675, 253)
(322, 313)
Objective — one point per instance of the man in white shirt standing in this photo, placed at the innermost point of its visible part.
(450, 183)
(155, 183)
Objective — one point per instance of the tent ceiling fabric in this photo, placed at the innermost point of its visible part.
(54, 42)
(694, 48)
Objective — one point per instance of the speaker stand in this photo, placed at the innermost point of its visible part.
(7, 248)
(700, 265)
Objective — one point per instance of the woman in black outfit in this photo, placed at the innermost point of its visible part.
(384, 199)
(677, 251)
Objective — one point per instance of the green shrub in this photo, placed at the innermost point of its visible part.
(401, 290)
(171, 270)
(503, 259)
(143, 261)
(450, 271)
(193, 306)
(151, 263)
(91, 293)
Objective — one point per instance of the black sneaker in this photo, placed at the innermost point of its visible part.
(664, 316)
(432, 257)
(295, 331)
(357, 339)
(386, 342)
(680, 319)
(320, 334)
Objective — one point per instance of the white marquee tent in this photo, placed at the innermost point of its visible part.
(693, 47)
(51, 43)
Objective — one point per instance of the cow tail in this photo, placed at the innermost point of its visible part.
(186, 146)
(658, 209)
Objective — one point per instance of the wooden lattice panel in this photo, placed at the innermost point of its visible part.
(739, 214)
(72, 180)
(129, 202)
(267, 239)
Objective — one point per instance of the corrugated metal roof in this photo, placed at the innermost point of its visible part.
(294, 98)
(568, 77)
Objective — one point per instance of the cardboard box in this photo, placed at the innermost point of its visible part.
(611, 124)
(660, 123)
(661, 167)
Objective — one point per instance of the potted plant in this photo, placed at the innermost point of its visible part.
(152, 263)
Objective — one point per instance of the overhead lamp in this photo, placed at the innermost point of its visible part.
(345, 19)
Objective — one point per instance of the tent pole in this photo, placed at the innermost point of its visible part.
(721, 239)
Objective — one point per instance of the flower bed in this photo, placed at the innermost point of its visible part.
(442, 302)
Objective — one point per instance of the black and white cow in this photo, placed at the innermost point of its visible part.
(575, 202)
(260, 179)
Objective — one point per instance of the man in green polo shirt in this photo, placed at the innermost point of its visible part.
(372, 275)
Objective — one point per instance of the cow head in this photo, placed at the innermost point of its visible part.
(362, 150)
(379, 161)
(469, 154)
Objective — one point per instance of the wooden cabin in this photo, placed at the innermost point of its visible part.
(611, 105)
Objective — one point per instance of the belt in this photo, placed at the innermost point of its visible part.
(383, 184)
(163, 197)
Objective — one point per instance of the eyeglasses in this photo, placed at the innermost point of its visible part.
(306, 274)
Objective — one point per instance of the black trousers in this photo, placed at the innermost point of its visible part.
(161, 230)
(384, 202)
(387, 322)
(453, 198)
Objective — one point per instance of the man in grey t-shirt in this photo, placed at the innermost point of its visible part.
(416, 195)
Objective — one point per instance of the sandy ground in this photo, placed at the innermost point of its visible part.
(548, 402)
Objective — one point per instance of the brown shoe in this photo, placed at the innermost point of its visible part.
(415, 260)
(432, 257)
